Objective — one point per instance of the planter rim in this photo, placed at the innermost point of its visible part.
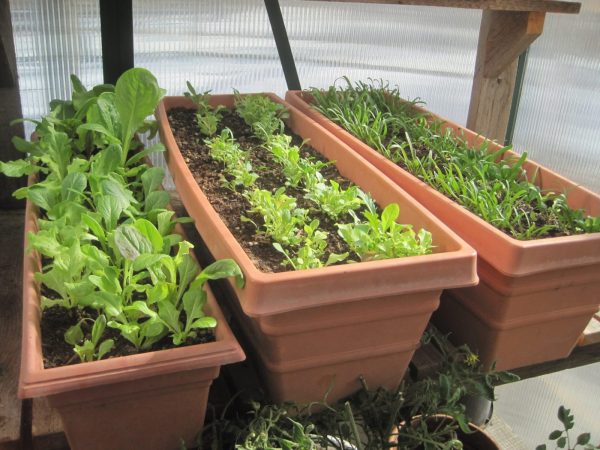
(517, 246)
(36, 381)
(459, 249)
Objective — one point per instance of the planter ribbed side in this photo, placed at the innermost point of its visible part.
(322, 328)
(535, 297)
(149, 400)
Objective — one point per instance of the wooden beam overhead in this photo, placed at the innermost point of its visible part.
(509, 35)
(551, 6)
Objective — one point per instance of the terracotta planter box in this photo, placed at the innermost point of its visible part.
(535, 297)
(149, 400)
(321, 328)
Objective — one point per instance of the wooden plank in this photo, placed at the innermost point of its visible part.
(580, 356)
(566, 7)
(510, 34)
(10, 320)
(502, 37)
(591, 334)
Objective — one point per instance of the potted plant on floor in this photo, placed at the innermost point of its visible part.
(323, 325)
(120, 329)
(537, 265)
(419, 414)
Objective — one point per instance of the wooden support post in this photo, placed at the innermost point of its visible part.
(10, 108)
(503, 36)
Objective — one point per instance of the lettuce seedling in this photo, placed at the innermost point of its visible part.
(89, 349)
(262, 114)
(207, 117)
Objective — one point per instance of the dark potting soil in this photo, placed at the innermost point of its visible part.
(57, 320)
(231, 205)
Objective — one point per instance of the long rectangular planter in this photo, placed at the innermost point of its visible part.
(149, 400)
(535, 297)
(322, 328)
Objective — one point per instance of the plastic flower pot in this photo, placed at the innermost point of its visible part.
(322, 328)
(535, 297)
(149, 400)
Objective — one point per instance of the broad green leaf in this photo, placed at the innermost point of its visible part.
(152, 179)
(555, 435)
(105, 347)
(156, 200)
(130, 331)
(141, 307)
(130, 242)
(45, 243)
(108, 113)
(148, 229)
(25, 146)
(57, 152)
(109, 303)
(18, 168)
(140, 154)
(188, 269)
(74, 335)
(96, 127)
(164, 222)
(148, 260)
(222, 268)
(205, 322)
(152, 328)
(107, 160)
(136, 95)
(42, 196)
(120, 193)
(193, 303)
(583, 438)
(96, 258)
(98, 328)
(93, 225)
(389, 215)
(169, 314)
(73, 186)
(158, 292)
(110, 209)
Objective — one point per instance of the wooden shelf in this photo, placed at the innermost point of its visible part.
(551, 6)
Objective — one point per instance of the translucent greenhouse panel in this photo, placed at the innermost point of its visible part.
(559, 116)
(214, 44)
(54, 39)
(427, 52)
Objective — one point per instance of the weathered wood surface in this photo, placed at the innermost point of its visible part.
(503, 36)
(553, 6)
(11, 255)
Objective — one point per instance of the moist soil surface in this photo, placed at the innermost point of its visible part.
(57, 320)
(232, 205)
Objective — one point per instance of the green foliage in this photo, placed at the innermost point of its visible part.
(494, 187)
(261, 113)
(223, 148)
(562, 437)
(105, 230)
(208, 118)
(381, 237)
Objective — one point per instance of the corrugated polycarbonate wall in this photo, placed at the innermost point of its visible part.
(52, 40)
(428, 52)
(558, 122)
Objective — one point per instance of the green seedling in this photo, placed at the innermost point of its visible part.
(89, 349)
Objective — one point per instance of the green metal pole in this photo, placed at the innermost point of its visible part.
(516, 100)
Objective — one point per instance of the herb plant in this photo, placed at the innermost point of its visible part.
(207, 117)
(562, 438)
(495, 187)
